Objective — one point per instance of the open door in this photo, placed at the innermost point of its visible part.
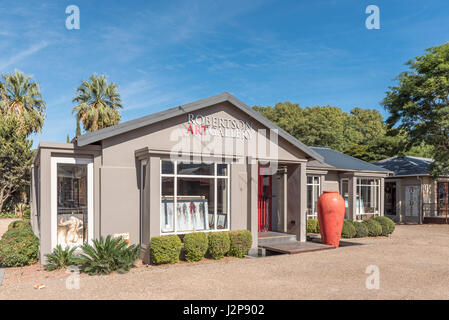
(264, 201)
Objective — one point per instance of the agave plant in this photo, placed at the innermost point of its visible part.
(107, 255)
(61, 258)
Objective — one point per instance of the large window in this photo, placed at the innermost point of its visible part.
(194, 197)
(313, 193)
(367, 198)
(345, 194)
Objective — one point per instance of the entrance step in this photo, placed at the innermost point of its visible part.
(270, 237)
(296, 247)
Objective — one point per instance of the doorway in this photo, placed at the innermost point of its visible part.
(412, 203)
(271, 204)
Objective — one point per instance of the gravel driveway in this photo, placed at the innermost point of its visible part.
(413, 264)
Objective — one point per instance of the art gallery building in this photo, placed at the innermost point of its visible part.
(211, 165)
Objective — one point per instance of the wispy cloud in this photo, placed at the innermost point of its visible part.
(23, 54)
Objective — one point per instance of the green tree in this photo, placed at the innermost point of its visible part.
(21, 97)
(15, 158)
(99, 103)
(419, 104)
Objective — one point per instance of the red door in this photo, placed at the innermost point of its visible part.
(264, 201)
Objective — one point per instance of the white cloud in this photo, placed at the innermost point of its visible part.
(23, 55)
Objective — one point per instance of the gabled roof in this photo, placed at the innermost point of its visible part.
(105, 133)
(342, 161)
(406, 165)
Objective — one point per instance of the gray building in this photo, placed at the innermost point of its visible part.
(211, 165)
(411, 195)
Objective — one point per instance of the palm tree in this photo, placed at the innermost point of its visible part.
(98, 103)
(21, 98)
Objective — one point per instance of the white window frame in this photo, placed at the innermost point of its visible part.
(314, 215)
(357, 195)
(54, 196)
(175, 176)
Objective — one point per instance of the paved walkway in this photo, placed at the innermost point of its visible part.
(4, 223)
(413, 264)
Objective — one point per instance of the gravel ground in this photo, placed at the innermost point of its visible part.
(413, 264)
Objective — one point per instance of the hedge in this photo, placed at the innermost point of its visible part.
(195, 246)
(19, 224)
(165, 249)
(361, 229)
(374, 227)
(387, 225)
(348, 230)
(313, 226)
(240, 243)
(219, 244)
(19, 251)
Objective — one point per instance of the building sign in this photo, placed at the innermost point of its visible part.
(219, 127)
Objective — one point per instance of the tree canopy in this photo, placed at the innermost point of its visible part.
(21, 97)
(99, 104)
(15, 158)
(361, 133)
(419, 105)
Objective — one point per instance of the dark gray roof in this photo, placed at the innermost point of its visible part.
(99, 135)
(342, 161)
(406, 165)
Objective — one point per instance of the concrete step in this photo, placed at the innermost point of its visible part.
(296, 247)
(269, 238)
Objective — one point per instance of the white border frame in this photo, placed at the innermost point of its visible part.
(54, 196)
(314, 215)
(214, 177)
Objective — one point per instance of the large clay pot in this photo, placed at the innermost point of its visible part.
(331, 214)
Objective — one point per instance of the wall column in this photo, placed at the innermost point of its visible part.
(252, 184)
(352, 201)
(297, 200)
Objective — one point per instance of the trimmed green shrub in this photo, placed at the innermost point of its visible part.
(19, 251)
(195, 246)
(240, 243)
(318, 227)
(387, 225)
(61, 258)
(374, 227)
(219, 244)
(348, 230)
(107, 255)
(18, 233)
(165, 249)
(19, 224)
(312, 226)
(361, 229)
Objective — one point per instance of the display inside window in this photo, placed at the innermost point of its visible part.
(71, 205)
(367, 198)
(313, 193)
(390, 198)
(200, 200)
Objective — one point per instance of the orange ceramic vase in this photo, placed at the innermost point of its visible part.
(331, 214)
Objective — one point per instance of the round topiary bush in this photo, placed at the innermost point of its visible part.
(195, 246)
(240, 243)
(312, 225)
(387, 225)
(19, 251)
(19, 224)
(348, 230)
(361, 229)
(374, 227)
(219, 244)
(18, 233)
(165, 249)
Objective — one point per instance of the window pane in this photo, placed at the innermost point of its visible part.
(195, 169)
(72, 204)
(309, 200)
(167, 167)
(222, 169)
(367, 198)
(167, 204)
(222, 203)
(309, 180)
(195, 204)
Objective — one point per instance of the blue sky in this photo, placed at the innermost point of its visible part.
(166, 53)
